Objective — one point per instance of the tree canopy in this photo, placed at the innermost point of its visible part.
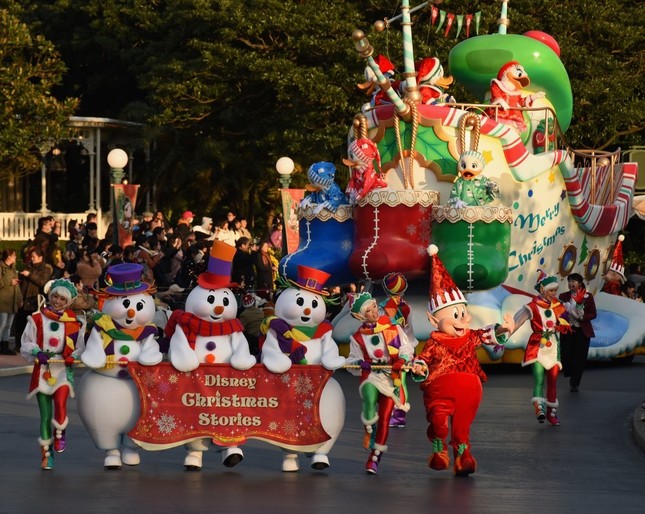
(227, 87)
(31, 118)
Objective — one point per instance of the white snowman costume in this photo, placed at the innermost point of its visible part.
(193, 341)
(108, 400)
(300, 311)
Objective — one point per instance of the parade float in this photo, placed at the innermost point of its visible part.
(532, 202)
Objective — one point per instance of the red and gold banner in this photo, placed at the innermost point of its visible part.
(291, 199)
(125, 198)
(230, 406)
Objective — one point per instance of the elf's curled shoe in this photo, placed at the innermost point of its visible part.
(439, 459)
(465, 464)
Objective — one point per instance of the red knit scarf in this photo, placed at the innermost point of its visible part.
(194, 326)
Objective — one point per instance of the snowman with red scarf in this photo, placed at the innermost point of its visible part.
(209, 332)
(299, 334)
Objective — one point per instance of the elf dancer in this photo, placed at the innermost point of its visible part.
(615, 276)
(451, 374)
(381, 344)
(52, 340)
(396, 308)
(547, 316)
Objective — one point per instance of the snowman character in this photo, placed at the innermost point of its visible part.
(208, 332)
(123, 332)
(299, 334)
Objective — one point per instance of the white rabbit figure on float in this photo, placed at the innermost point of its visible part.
(123, 332)
(209, 332)
(300, 334)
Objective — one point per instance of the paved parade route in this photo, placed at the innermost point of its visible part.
(590, 464)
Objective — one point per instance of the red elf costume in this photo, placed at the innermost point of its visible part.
(450, 372)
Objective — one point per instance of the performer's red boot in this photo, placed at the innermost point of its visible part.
(552, 417)
(373, 461)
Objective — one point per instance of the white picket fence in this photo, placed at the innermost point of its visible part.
(21, 226)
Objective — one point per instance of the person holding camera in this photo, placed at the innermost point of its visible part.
(32, 280)
(89, 267)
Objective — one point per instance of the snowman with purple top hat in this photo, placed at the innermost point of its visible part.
(123, 332)
(209, 332)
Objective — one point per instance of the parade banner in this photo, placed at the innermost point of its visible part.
(125, 198)
(230, 406)
(291, 199)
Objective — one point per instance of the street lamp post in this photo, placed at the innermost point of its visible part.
(117, 160)
(285, 167)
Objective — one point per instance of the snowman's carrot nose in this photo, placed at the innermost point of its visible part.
(131, 313)
(218, 309)
(307, 311)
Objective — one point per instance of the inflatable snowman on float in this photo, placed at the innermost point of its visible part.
(209, 332)
(123, 332)
(299, 334)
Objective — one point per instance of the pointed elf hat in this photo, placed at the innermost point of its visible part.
(617, 262)
(443, 290)
(366, 151)
(545, 281)
(220, 262)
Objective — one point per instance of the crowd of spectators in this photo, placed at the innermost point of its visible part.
(172, 256)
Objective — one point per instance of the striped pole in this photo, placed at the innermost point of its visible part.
(366, 50)
(503, 19)
(411, 88)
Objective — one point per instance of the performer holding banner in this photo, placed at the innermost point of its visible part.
(123, 332)
(209, 332)
(299, 334)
